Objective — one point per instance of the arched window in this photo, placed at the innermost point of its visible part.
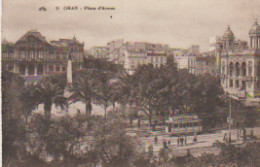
(40, 69)
(250, 68)
(30, 69)
(22, 69)
(231, 68)
(237, 68)
(243, 69)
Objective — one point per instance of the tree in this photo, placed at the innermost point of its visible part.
(84, 90)
(105, 91)
(114, 147)
(50, 92)
(13, 124)
(29, 99)
(152, 90)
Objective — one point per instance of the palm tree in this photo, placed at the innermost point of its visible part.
(126, 88)
(29, 99)
(50, 92)
(84, 91)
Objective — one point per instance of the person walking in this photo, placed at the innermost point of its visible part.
(181, 141)
(185, 140)
(164, 144)
(178, 140)
(195, 138)
(224, 138)
(155, 139)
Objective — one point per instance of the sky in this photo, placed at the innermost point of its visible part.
(178, 23)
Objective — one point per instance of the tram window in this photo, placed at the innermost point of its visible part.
(188, 125)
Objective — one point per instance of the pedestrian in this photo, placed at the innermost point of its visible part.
(224, 138)
(169, 142)
(244, 132)
(155, 139)
(164, 144)
(195, 139)
(181, 141)
(252, 133)
(178, 140)
(150, 150)
(185, 139)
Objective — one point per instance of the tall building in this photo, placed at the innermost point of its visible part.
(131, 55)
(194, 50)
(240, 66)
(33, 57)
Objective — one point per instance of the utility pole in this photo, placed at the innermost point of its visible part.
(230, 120)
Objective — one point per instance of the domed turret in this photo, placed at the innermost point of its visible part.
(228, 38)
(228, 35)
(255, 30)
(254, 35)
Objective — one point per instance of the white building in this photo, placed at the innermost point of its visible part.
(99, 52)
(240, 67)
(141, 53)
(186, 62)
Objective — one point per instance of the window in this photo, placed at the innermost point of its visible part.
(51, 68)
(231, 69)
(231, 83)
(243, 69)
(156, 59)
(237, 69)
(237, 83)
(250, 68)
(243, 85)
(57, 68)
(63, 68)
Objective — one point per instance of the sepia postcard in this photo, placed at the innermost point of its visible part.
(130, 83)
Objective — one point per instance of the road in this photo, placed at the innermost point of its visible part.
(204, 144)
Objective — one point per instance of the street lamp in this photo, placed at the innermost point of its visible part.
(230, 119)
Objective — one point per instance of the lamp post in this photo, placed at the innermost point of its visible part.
(230, 120)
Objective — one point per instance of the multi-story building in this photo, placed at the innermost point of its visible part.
(99, 52)
(141, 53)
(116, 51)
(133, 54)
(216, 44)
(186, 62)
(240, 66)
(32, 56)
(205, 65)
(194, 50)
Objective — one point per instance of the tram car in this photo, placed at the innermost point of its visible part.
(183, 124)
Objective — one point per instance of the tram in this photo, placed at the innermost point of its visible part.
(183, 124)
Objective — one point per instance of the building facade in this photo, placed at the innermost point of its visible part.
(99, 52)
(186, 62)
(33, 57)
(205, 65)
(240, 66)
(131, 55)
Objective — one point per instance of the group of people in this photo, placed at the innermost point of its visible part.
(181, 141)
